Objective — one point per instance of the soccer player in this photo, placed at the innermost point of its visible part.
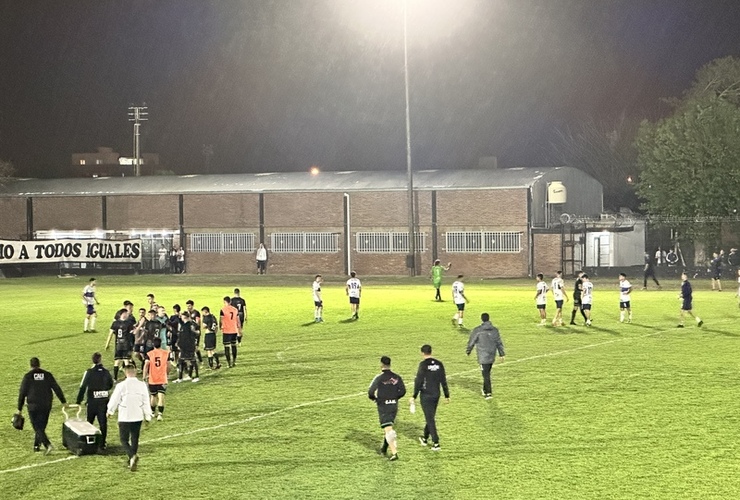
(195, 318)
(687, 296)
(241, 306)
(716, 272)
(386, 389)
(90, 301)
(577, 291)
(318, 304)
(140, 336)
(437, 271)
(119, 330)
(163, 321)
(173, 330)
(354, 291)
(155, 373)
(152, 303)
(540, 298)
(558, 293)
(229, 324)
(458, 296)
(187, 343)
(151, 331)
(649, 272)
(210, 325)
(586, 298)
(625, 289)
(430, 376)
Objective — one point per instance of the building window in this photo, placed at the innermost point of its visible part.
(388, 242)
(483, 242)
(222, 242)
(98, 162)
(82, 162)
(304, 242)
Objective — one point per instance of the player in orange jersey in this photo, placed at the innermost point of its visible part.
(155, 373)
(229, 323)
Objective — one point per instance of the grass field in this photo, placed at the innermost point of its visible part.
(641, 410)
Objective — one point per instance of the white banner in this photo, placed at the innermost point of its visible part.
(49, 251)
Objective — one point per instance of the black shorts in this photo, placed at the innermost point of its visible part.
(387, 415)
(576, 302)
(90, 309)
(122, 354)
(624, 305)
(686, 306)
(460, 307)
(541, 306)
(717, 276)
(155, 389)
(210, 341)
(354, 300)
(229, 339)
(318, 303)
(559, 304)
(586, 307)
(241, 318)
(139, 348)
(187, 356)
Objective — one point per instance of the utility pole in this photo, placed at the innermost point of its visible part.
(137, 114)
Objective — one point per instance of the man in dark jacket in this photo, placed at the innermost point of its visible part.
(386, 389)
(36, 391)
(487, 341)
(429, 378)
(97, 383)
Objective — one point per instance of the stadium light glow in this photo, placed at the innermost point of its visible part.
(314, 170)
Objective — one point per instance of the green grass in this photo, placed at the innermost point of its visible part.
(640, 410)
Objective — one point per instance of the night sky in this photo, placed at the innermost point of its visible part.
(285, 84)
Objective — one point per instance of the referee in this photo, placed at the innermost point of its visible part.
(36, 390)
(429, 378)
(97, 383)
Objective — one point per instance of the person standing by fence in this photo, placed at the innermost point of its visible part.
(262, 259)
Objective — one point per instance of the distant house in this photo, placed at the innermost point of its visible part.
(107, 163)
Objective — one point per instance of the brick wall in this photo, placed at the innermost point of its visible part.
(297, 210)
(547, 253)
(13, 221)
(83, 213)
(226, 211)
(143, 212)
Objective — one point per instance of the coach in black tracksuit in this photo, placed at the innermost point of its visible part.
(36, 391)
(429, 378)
(97, 382)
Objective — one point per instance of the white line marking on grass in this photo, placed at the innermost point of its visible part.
(338, 398)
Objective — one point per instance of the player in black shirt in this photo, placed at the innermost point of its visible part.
(429, 378)
(386, 389)
(241, 306)
(210, 325)
(173, 330)
(120, 331)
(187, 343)
(97, 384)
(577, 298)
(151, 332)
(195, 318)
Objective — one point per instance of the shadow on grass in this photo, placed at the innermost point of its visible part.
(348, 320)
(646, 327)
(57, 338)
(721, 332)
(467, 383)
(605, 330)
(311, 323)
(366, 439)
(408, 429)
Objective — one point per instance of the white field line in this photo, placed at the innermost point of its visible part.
(336, 398)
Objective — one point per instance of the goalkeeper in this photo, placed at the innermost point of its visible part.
(436, 273)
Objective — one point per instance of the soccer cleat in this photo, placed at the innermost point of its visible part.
(49, 449)
(488, 396)
(393, 457)
(383, 452)
(186, 378)
(573, 323)
(36, 448)
(701, 322)
(196, 379)
(588, 323)
(423, 441)
(93, 331)
(160, 417)
(177, 381)
(679, 326)
(133, 463)
(435, 447)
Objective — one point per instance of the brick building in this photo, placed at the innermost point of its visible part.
(489, 222)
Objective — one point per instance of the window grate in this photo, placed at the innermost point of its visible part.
(304, 242)
(222, 242)
(483, 242)
(388, 242)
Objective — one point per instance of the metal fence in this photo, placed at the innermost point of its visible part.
(304, 242)
(388, 242)
(222, 242)
(483, 242)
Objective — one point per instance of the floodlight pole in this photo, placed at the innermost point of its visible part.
(137, 114)
(410, 183)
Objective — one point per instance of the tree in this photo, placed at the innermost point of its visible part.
(605, 151)
(690, 161)
(6, 171)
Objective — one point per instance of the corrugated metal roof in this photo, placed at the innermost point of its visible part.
(280, 182)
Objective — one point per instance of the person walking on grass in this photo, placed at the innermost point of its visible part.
(686, 296)
(37, 390)
(131, 399)
(97, 384)
(430, 376)
(458, 296)
(386, 389)
(486, 339)
(436, 273)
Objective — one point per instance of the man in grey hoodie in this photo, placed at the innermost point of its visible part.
(487, 341)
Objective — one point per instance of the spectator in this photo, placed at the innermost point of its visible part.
(262, 259)
(180, 260)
